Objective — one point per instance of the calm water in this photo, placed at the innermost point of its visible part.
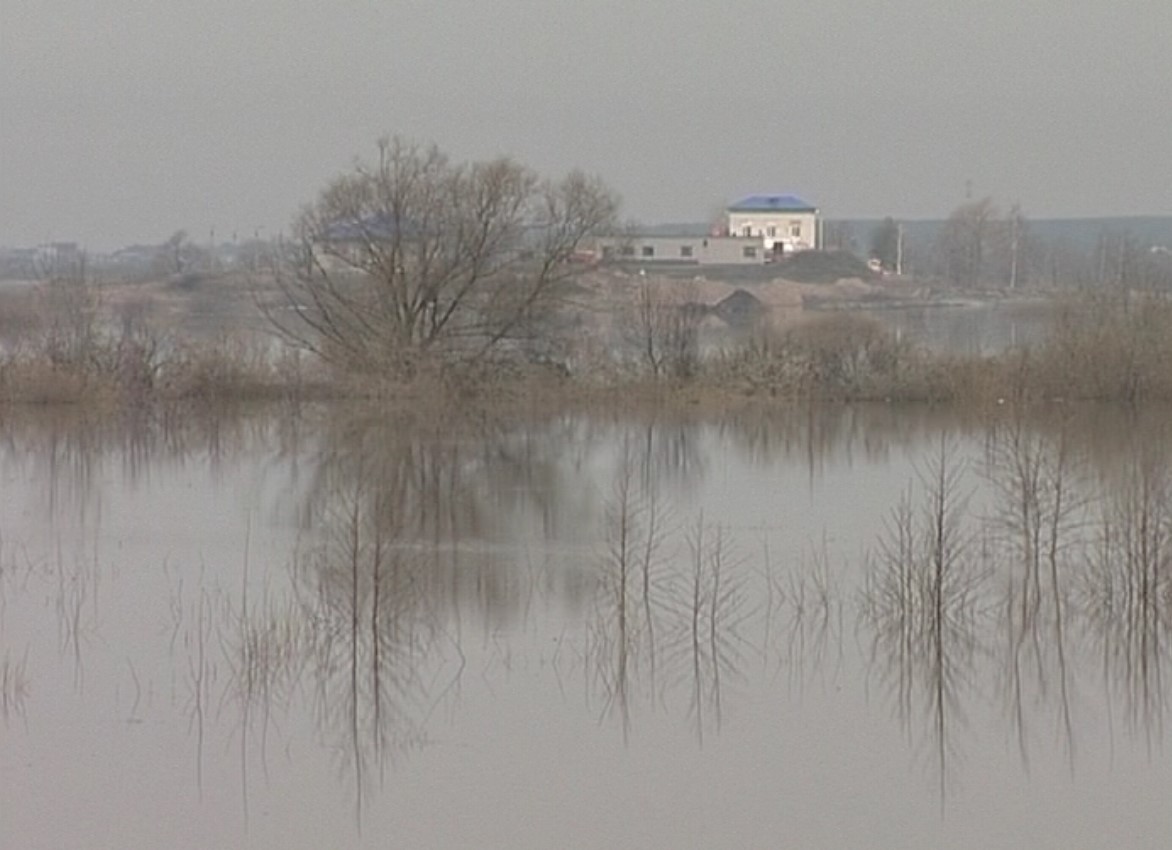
(832, 628)
(978, 329)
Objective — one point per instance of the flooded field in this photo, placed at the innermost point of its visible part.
(838, 627)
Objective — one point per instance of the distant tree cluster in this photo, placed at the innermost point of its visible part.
(979, 246)
(887, 245)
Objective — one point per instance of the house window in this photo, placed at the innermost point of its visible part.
(747, 230)
(648, 250)
(685, 250)
(607, 252)
(627, 250)
(795, 228)
(772, 230)
(749, 251)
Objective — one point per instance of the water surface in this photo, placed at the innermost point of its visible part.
(856, 627)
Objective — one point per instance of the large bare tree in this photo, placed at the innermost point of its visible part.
(414, 255)
(966, 239)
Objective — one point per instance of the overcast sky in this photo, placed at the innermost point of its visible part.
(124, 120)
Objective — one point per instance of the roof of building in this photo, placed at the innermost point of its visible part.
(772, 203)
(378, 227)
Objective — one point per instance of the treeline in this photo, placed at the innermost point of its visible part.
(982, 245)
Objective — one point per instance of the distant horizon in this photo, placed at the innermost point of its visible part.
(124, 120)
(265, 234)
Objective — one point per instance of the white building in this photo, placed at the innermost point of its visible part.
(786, 223)
(683, 250)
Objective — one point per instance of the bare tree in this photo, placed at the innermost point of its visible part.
(415, 255)
(965, 241)
(179, 255)
(68, 304)
(666, 332)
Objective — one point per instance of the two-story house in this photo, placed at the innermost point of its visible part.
(785, 223)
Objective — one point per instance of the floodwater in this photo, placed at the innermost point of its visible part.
(978, 329)
(847, 627)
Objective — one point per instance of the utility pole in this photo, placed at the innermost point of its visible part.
(899, 250)
(1014, 244)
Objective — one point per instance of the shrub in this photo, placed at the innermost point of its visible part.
(839, 356)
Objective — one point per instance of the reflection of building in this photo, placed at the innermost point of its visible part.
(786, 223)
(683, 250)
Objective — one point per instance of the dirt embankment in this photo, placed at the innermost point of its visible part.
(779, 295)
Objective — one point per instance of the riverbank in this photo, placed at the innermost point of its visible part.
(620, 335)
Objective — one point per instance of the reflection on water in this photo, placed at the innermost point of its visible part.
(1126, 590)
(14, 685)
(668, 604)
(920, 606)
(978, 329)
(272, 608)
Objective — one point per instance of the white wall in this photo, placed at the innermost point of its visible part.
(695, 250)
(784, 225)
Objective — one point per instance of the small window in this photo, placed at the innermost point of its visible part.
(795, 228)
(607, 251)
(772, 230)
(747, 230)
(628, 251)
(750, 251)
(685, 250)
(648, 250)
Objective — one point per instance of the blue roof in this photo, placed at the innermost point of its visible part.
(377, 227)
(772, 203)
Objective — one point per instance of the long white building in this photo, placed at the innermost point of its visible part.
(683, 250)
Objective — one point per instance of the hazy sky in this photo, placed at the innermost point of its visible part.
(124, 120)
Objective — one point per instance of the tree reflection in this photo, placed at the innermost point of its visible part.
(920, 607)
(621, 638)
(373, 631)
(1070, 588)
(669, 605)
(807, 604)
(707, 646)
(14, 685)
(445, 485)
(1126, 592)
(1033, 537)
(68, 452)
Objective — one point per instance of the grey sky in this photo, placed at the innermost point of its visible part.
(124, 120)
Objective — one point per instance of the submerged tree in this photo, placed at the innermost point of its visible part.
(416, 255)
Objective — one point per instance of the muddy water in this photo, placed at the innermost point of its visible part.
(834, 628)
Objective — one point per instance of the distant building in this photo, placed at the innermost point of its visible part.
(757, 229)
(682, 250)
(785, 223)
(352, 244)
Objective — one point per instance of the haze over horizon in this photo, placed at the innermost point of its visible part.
(124, 121)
